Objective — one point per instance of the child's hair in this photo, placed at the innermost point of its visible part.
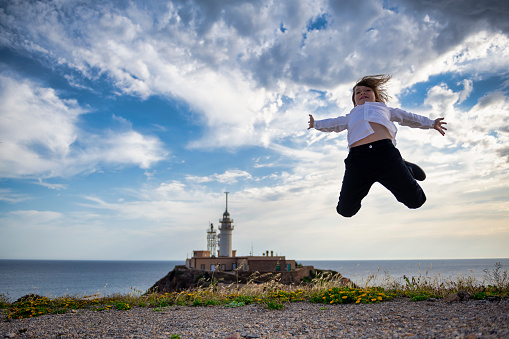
(377, 84)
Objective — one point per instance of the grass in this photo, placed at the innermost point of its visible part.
(324, 288)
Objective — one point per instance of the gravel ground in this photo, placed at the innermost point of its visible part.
(402, 318)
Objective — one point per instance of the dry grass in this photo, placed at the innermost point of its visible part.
(326, 287)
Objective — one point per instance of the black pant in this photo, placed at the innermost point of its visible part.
(379, 162)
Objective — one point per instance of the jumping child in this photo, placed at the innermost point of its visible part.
(373, 156)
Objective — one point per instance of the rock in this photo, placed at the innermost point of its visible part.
(456, 297)
(233, 336)
(450, 298)
(29, 297)
(463, 295)
(182, 278)
(493, 298)
(10, 335)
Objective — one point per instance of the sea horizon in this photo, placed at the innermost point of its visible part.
(297, 260)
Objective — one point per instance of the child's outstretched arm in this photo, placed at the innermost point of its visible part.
(329, 125)
(438, 125)
(311, 122)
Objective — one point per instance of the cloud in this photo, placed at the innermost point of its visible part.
(228, 177)
(27, 217)
(458, 19)
(442, 99)
(41, 137)
(30, 116)
(235, 71)
(127, 148)
(56, 187)
(503, 152)
(54, 235)
(6, 195)
(305, 204)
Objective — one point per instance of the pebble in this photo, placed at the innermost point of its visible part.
(400, 318)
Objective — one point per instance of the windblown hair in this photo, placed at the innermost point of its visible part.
(377, 84)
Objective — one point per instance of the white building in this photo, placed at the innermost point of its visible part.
(225, 233)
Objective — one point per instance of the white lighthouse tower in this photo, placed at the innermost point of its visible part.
(225, 233)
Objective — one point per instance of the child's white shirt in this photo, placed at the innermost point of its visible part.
(357, 121)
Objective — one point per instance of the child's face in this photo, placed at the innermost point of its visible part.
(364, 94)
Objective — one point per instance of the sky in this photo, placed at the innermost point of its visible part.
(122, 124)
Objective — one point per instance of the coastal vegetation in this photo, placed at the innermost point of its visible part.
(324, 287)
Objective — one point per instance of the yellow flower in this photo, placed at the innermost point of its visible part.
(344, 297)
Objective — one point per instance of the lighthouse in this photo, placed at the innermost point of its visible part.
(227, 259)
(225, 233)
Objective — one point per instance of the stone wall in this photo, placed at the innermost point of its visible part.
(267, 265)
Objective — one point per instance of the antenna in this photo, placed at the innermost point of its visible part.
(226, 200)
(211, 240)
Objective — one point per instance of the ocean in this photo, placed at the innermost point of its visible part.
(54, 278)
(379, 271)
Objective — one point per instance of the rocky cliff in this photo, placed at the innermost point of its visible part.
(183, 278)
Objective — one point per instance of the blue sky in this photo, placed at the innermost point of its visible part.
(122, 124)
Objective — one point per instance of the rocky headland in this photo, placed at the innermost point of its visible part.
(182, 278)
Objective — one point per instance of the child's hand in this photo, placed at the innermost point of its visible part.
(438, 125)
(311, 122)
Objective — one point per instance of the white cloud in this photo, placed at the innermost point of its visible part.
(125, 148)
(20, 219)
(300, 209)
(40, 137)
(53, 235)
(37, 127)
(6, 195)
(228, 177)
(57, 187)
(233, 70)
(468, 87)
